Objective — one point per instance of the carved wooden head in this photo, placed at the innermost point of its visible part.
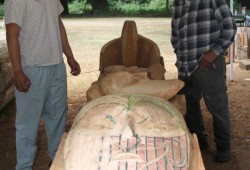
(124, 130)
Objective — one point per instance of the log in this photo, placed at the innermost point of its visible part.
(3, 50)
(242, 46)
(7, 97)
(6, 76)
(58, 162)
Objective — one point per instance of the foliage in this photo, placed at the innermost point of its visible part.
(137, 7)
(154, 7)
(78, 6)
(123, 7)
(1, 11)
(140, 7)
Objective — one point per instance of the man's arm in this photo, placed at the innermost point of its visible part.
(75, 67)
(228, 31)
(174, 36)
(22, 82)
(227, 25)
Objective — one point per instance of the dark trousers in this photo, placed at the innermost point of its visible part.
(211, 85)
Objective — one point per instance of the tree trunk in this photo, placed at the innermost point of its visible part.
(65, 6)
(167, 4)
(168, 7)
(98, 4)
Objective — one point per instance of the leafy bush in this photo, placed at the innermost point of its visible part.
(123, 7)
(119, 7)
(78, 6)
(138, 7)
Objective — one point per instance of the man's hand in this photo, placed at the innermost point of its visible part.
(22, 82)
(74, 66)
(207, 59)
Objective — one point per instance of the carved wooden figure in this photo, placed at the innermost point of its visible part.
(131, 131)
(128, 122)
(132, 49)
(128, 64)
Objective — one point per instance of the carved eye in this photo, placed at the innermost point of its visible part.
(109, 122)
(109, 117)
(100, 119)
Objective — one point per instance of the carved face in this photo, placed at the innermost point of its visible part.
(143, 116)
(122, 129)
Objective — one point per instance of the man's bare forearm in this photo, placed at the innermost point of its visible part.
(74, 65)
(22, 82)
(65, 43)
(12, 34)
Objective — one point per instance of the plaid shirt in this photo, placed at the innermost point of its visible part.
(197, 27)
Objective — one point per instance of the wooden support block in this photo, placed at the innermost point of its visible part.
(245, 64)
(243, 53)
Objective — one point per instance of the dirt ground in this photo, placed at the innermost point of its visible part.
(87, 36)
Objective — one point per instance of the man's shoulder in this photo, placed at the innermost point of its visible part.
(14, 10)
(15, 1)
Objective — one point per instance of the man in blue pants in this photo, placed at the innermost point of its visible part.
(36, 40)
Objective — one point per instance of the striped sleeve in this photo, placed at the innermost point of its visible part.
(14, 11)
(227, 25)
(174, 36)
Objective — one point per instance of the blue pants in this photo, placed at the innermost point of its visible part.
(46, 98)
(211, 85)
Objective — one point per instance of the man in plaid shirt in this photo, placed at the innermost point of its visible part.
(202, 31)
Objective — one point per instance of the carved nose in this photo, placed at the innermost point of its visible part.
(127, 133)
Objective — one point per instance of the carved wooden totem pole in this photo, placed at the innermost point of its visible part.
(132, 119)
